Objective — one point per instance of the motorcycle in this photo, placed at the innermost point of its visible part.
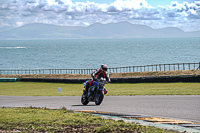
(95, 92)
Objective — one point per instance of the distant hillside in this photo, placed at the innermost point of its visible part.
(39, 31)
(97, 30)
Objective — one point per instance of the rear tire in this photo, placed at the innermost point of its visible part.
(99, 98)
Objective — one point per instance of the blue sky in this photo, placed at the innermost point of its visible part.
(150, 2)
(184, 14)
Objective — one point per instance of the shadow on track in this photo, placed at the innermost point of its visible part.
(83, 105)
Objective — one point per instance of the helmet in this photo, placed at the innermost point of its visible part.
(104, 67)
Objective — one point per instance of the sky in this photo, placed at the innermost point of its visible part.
(184, 14)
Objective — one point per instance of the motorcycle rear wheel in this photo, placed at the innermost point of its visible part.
(99, 98)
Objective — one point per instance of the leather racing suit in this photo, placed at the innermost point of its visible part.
(98, 74)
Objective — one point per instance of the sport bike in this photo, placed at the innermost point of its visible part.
(95, 92)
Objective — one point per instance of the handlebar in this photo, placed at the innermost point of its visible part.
(103, 81)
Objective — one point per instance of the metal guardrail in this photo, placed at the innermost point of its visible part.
(157, 67)
(146, 68)
(48, 71)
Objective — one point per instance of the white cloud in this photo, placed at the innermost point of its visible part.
(65, 12)
(130, 4)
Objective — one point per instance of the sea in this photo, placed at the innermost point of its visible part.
(91, 53)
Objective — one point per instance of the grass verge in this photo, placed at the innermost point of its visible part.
(43, 120)
(51, 89)
(112, 75)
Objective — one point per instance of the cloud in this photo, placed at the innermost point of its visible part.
(66, 13)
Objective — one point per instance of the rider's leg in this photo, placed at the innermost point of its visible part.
(87, 86)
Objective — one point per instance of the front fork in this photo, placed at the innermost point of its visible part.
(103, 89)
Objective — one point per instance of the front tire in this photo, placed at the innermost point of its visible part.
(99, 98)
(84, 100)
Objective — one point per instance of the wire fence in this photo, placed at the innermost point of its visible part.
(157, 67)
(146, 68)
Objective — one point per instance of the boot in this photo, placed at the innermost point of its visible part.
(105, 91)
(86, 89)
(84, 92)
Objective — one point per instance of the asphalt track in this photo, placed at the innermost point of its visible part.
(180, 107)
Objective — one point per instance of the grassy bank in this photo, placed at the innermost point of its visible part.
(43, 120)
(112, 75)
(51, 89)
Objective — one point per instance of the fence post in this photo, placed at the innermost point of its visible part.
(164, 67)
(199, 66)
(189, 66)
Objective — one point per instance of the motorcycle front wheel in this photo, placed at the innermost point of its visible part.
(84, 100)
(99, 98)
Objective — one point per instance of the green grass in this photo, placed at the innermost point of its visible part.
(155, 89)
(39, 89)
(51, 89)
(43, 120)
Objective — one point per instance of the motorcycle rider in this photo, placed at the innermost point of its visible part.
(98, 74)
